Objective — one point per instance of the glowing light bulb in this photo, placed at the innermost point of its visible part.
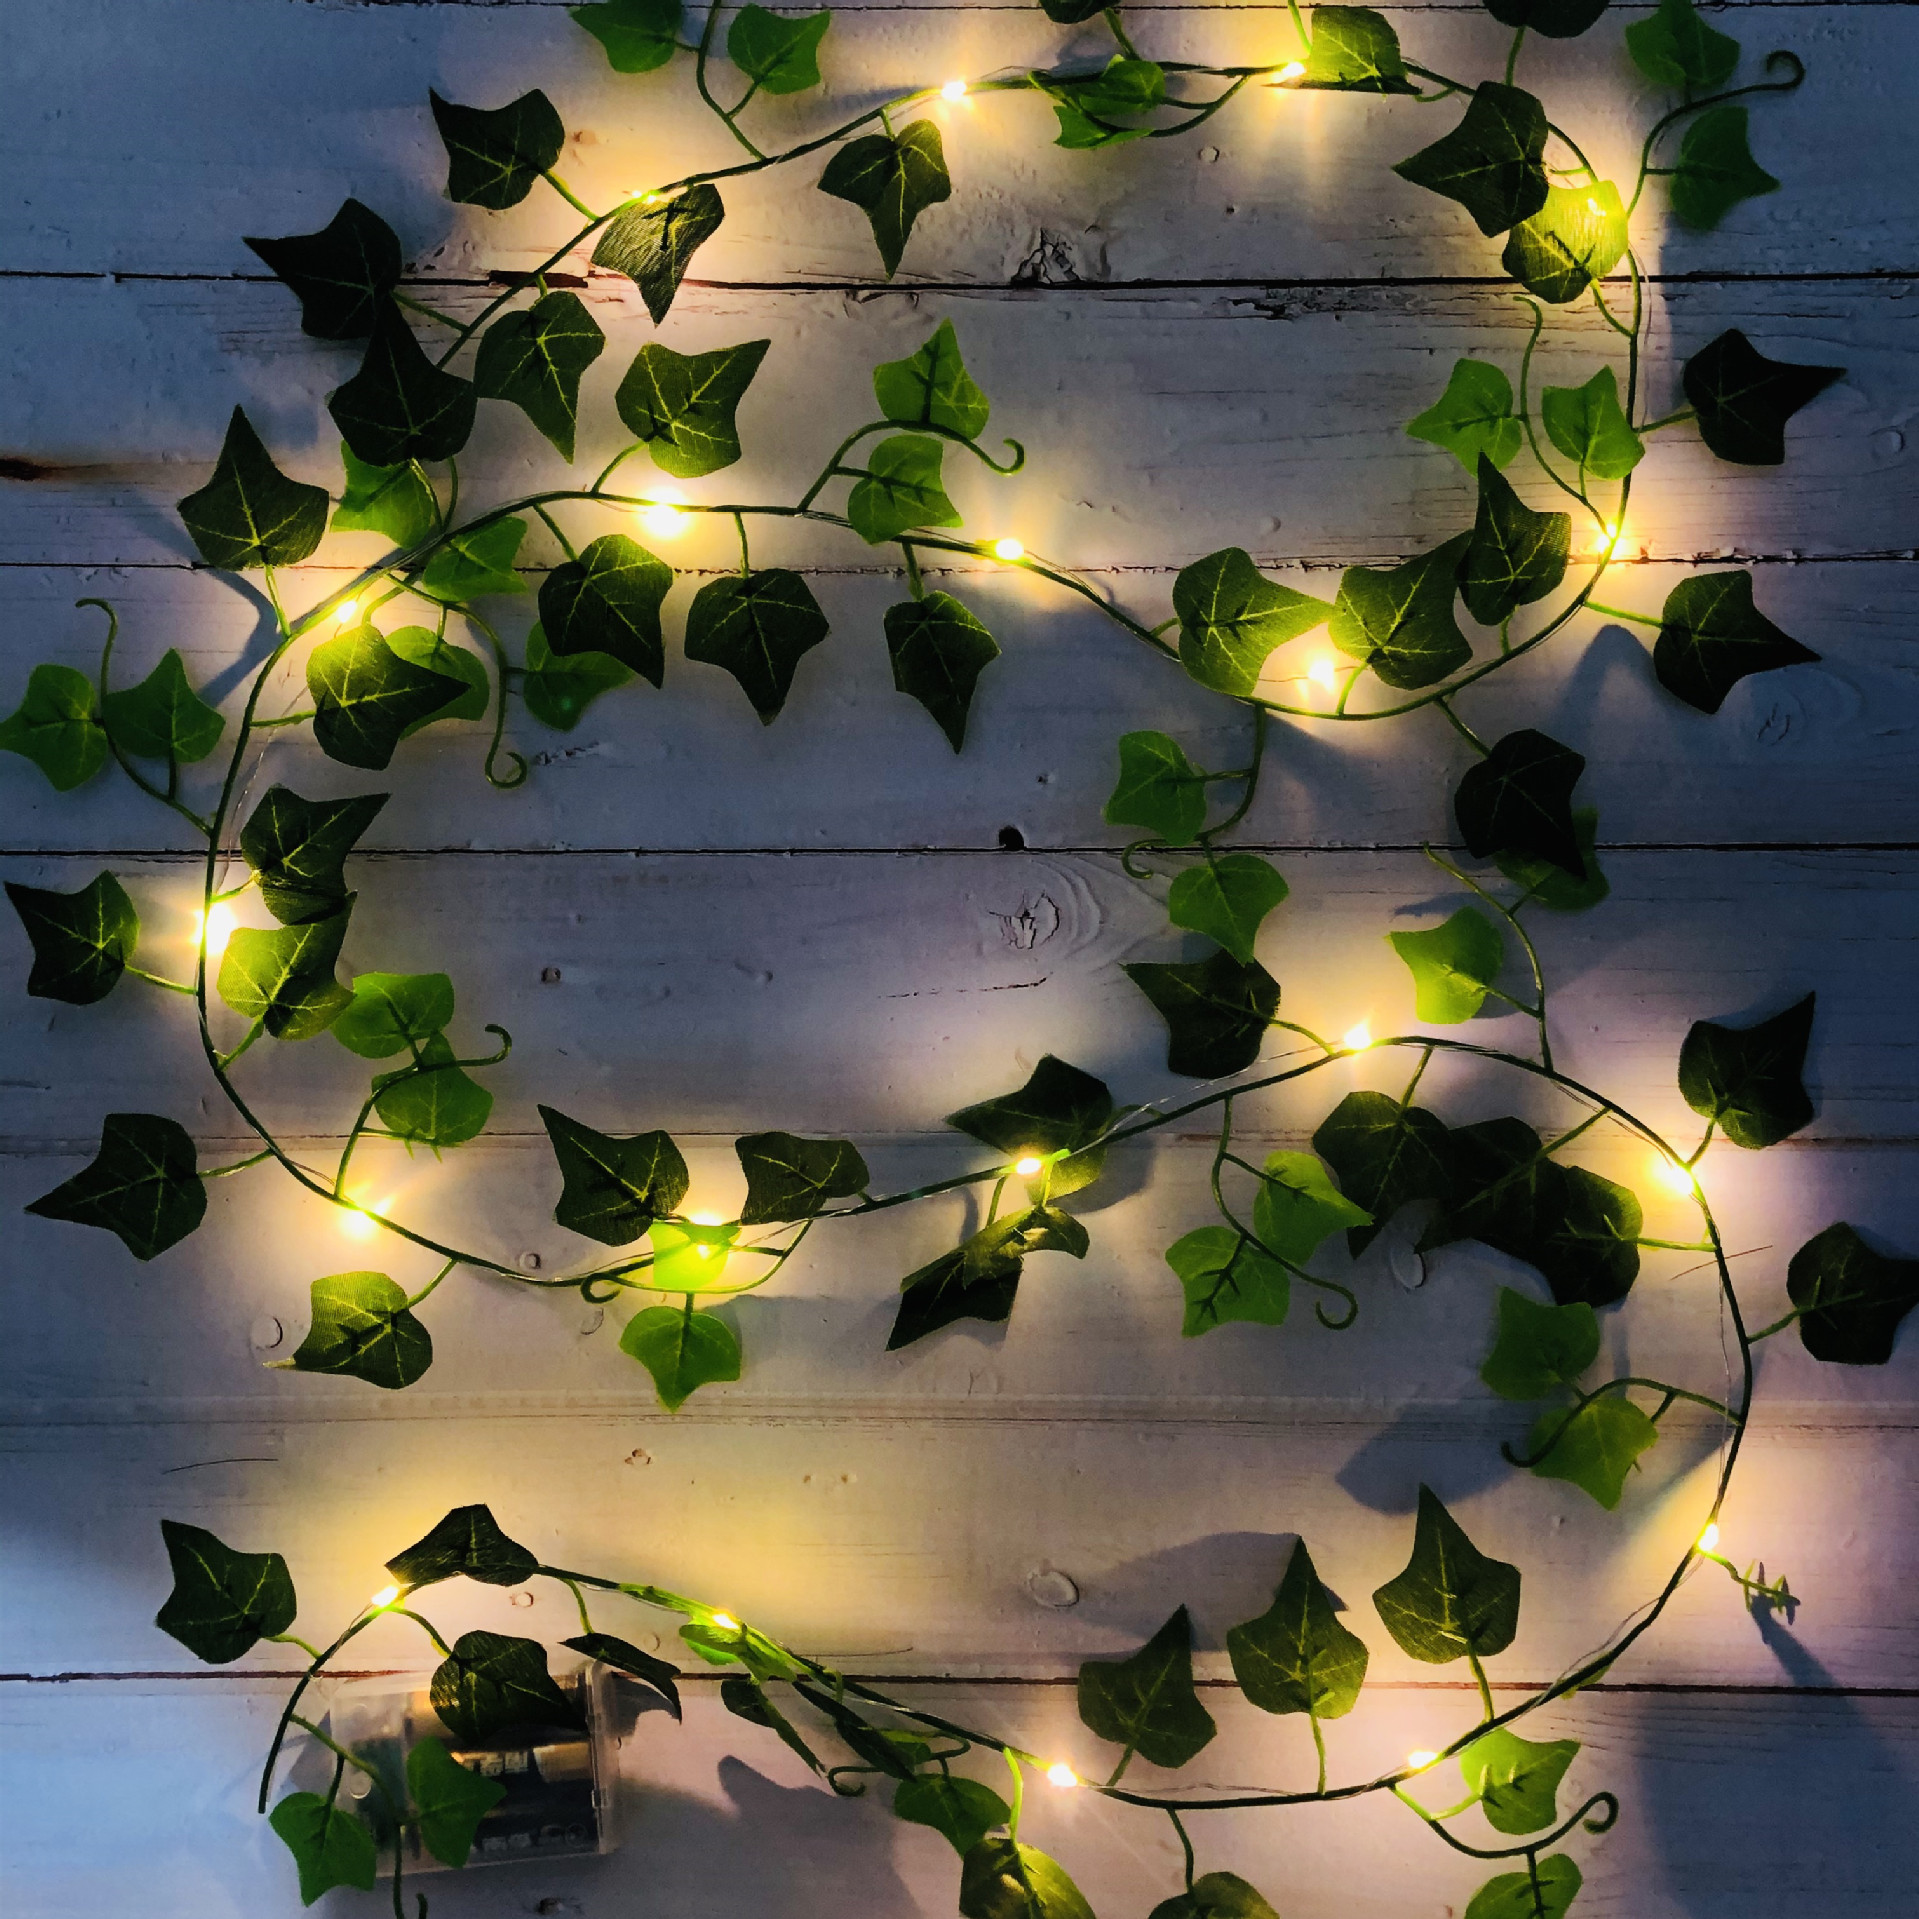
(662, 516)
(1674, 1177)
(644, 195)
(1059, 1773)
(953, 90)
(363, 1222)
(1419, 1761)
(214, 929)
(726, 1622)
(1607, 537)
(1291, 71)
(382, 1599)
(1592, 205)
(1009, 549)
(1356, 1039)
(1709, 1539)
(706, 1219)
(1320, 672)
(1027, 1165)
(346, 610)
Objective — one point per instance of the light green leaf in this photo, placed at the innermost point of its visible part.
(1716, 169)
(282, 976)
(55, 728)
(690, 1258)
(1297, 1656)
(471, 565)
(297, 849)
(1516, 556)
(450, 1800)
(939, 648)
(557, 690)
(250, 513)
(1676, 48)
(1159, 788)
(491, 1681)
(81, 941)
(1216, 1011)
(1225, 1277)
(1399, 620)
(1354, 50)
(1577, 237)
(613, 1189)
(1093, 109)
(1596, 1449)
(1518, 800)
(1539, 1348)
(961, 1811)
(535, 357)
(1587, 425)
(653, 243)
(1216, 1895)
(340, 275)
(682, 1349)
(331, 1846)
(932, 387)
(468, 1544)
(399, 406)
(162, 718)
(397, 501)
(1553, 887)
(365, 697)
(892, 179)
(1003, 1879)
(1231, 617)
(223, 1602)
(394, 1011)
(682, 404)
(1510, 1895)
(1451, 1600)
(1744, 399)
(1386, 1155)
(1711, 636)
(638, 35)
(1517, 1780)
(1491, 162)
(1452, 965)
(1750, 1080)
(789, 1178)
(1850, 1297)
(608, 602)
(899, 489)
(495, 155)
(433, 1103)
(422, 646)
(779, 54)
(758, 627)
(1146, 1701)
(1226, 899)
(143, 1185)
(1473, 417)
(1298, 1207)
(361, 1327)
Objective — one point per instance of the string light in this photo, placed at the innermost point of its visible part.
(1673, 1176)
(726, 1622)
(1009, 549)
(1607, 537)
(1320, 672)
(1027, 1165)
(1291, 71)
(346, 610)
(1060, 1774)
(662, 516)
(953, 90)
(213, 930)
(1419, 1761)
(362, 1222)
(1709, 1539)
(382, 1599)
(1357, 1038)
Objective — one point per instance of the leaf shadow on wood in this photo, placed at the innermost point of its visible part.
(1223, 1578)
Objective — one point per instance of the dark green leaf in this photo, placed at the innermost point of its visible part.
(1556, 19)
(144, 1184)
(899, 489)
(652, 244)
(1226, 1277)
(1217, 1011)
(961, 1811)
(682, 1350)
(535, 358)
(1850, 1298)
(450, 1800)
(393, 1011)
(1002, 1879)
(1226, 899)
(939, 648)
(1553, 888)
(1353, 50)
(1093, 109)
(162, 718)
(1399, 620)
(780, 55)
(331, 1846)
(361, 1327)
(55, 727)
(1473, 418)
(977, 1280)
(1297, 1656)
(558, 690)
(1744, 399)
(222, 1601)
(791, 1178)
(1750, 1080)
(250, 513)
(1059, 1110)
(1577, 237)
(745, 1698)
(1677, 49)
(608, 602)
(1515, 556)
(297, 849)
(682, 404)
(81, 941)
(283, 976)
(468, 565)
(395, 500)
(1517, 1779)
(491, 1682)
(892, 180)
(891, 1752)
(1518, 799)
(422, 646)
(467, 1543)
(660, 1674)
(1595, 1450)
(1587, 425)
(1216, 1895)
(931, 387)
(1385, 1155)
(1490, 162)
(365, 697)
(1146, 1701)
(1510, 1895)
(399, 406)
(1451, 1600)
(340, 275)
(1231, 617)
(1711, 636)
(614, 1188)
(1069, 13)
(638, 35)
(1452, 965)
(757, 627)
(432, 1103)
(1716, 169)
(1298, 1207)
(1159, 788)
(1539, 1348)
(494, 155)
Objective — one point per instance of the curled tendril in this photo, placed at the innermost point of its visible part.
(519, 774)
(1604, 1823)
(589, 1291)
(1018, 459)
(491, 1059)
(1133, 872)
(1779, 56)
(855, 1791)
(1319, 1305)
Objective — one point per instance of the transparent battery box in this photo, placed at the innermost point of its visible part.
(559, 1797)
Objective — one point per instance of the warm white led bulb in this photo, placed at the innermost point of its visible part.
(1291, 71)
(1059, 1773)
(662, 517)
(1027, 1165)
(363, 1222)
(346, 610)
(1009, 549)
(214, 929)
(382, 1599)
(1419, 1761)
(726, 1622)
(953, 90)
(1320, 672)
(1357, 1038)
(1673, 1176)
(1709, 1539)
(1607, 537)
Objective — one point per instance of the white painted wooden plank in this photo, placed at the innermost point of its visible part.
(1160, 425)
(294, 107)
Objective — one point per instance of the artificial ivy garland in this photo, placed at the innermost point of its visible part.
(1499, 1182)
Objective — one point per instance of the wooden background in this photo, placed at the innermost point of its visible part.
(691, 922)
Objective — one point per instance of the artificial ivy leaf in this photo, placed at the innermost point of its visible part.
(1556, 19)
(892, 179)
(1451, 1600)
(608, 601)
(1353, 50)
(340, 275)
(400, 406)
(779, 55)
(659, 1674)
(1850, 1298)
(1744, 399)
(1595, 1450)
(449, 1800)
(282, 976)
(1069, 13)
(691, 1258)
(1399, 620)
(1716, 169)
(1231, 617)
(55, 728)
(1226, 899)
(961, 1811)
(1539, 1348)
(331, 1846)
(250, 513)
(1091, 107)
(1511, 1895)
(745, 1698)
(1517, 1780)
(492, 1681)
(558, 690)
(1452, 965)
(365, 696)
(734, 1644)
(1473, 418)
(939, 648)
(1587, 424)
(361, 1326)
(1159, 788)
(891, 1752)
(638, 35)
(395, 500)
(1711, 636)
(495, 154)
(162, 718)
(1059, 1110)
(222, 1601)
(144, 1185)
(297, 849)
(432, 1103)
(1298, 1206)
(1216, 1010)
(682, 1350)
(1515, 556)
(1750, 1080)
(757, 626)
(1146, 1701)
(614, 1188)
(682, 404)
(1003, 1879)
(932, 387)
(1226, 1277)
(394, 1011)
(790, 1178)
(1518, 799)
(1677, 49)
(422, 646)
(1490, 162)
(1553, 888)
(652, 245)
(1577, 237)
(1297, 1656)
(1386, 1155)
(467, 1543)
(470, 564)
(1216, 1895)
(979, 1279)
(900, 488)
(535, 358)
(81, 941)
